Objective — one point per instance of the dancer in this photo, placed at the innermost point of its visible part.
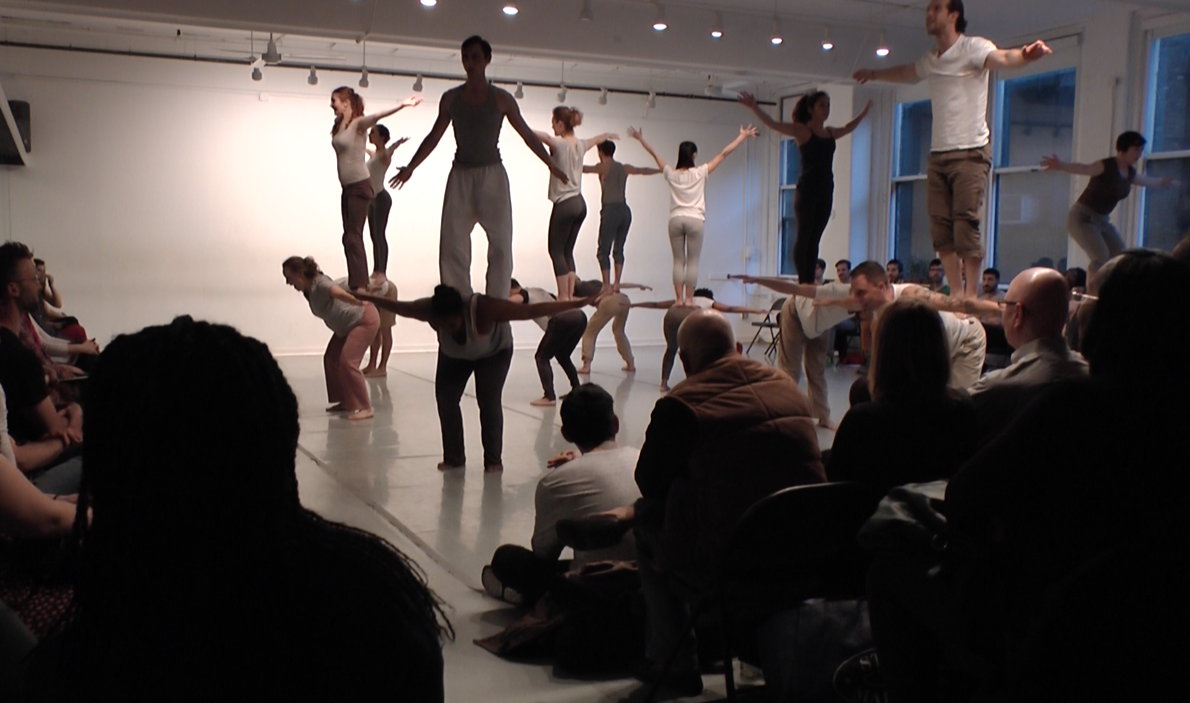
(378, 162)
(348, 137)
(614, 308)
(814, 198)
(474, 337)
(960, 147)
(1089, 221)
(614, 215)
(354, 324)
(382, 343)
(687, 206)
(562, 334)
(477, 187)
(676, 313)
(570, 209)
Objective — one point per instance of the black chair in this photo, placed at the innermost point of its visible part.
(771, 324)
(796, 544)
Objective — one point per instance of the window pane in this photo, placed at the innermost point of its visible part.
(1031, 211)
(1171, 94)
(791, 162)
(911, 229)
(788, 233)
(1166, 210)
(914, 122)
(1037, 118)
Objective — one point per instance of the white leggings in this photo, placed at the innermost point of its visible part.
(685, 239)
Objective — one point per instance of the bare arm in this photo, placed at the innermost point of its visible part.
(512, 111)
(600, 138)
(392, 148)
(745, 134)
(906, 73)
(848, 128)
(737, 308)
(367, 122)
(32, 456)
(413, 309)
(491, 310)
(781, 285)
(27, 512)
(51, 293)
(1015, 58)
(1053, 163)
(638, 171)
(948, 303)
(343, 296)
(55, 423)
(1144, 181)
(427, 145)
(640, 137)
(640, 286)
(797, 130)
(597, 169)
(545, 137)
(655, 304)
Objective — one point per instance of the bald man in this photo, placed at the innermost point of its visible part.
(1033, 315)
(734, 431)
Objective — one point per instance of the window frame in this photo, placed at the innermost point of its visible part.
(896, 180)
(1152, 36)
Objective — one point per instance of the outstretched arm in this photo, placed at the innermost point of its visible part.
(948, 303)
(780, 285)
(413, 309)
(392, 148)
(512, 111)
(641, 286)
(545, 137)
(369, 121)
(491, 310)
(745, 133)
(797, 130)
(737, 308)
(654, 304)
(597, 169)
(1015, 58)
(906, 73)
(1053, 163)
(404, 173)
(1144, 181)
(638, 171)
(640, 137)
(850, 126)
(601, 138)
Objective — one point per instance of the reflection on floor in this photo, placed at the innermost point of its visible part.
(380, 475)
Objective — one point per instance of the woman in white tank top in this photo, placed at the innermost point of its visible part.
(349, 138)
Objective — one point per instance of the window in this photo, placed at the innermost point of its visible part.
(791, 167)
(910, 222)
(1034, 118)
(1165, 212)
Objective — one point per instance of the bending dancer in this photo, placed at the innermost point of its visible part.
(1089, 221)
(562, 334)
(354, 324)
(570, 209)
(474, 337)
(477, 187)
(814, 198)
(687, 206)
(378, 162)
(348, 137)
(676, 313)
(614, 308)
(614, 216)
(960, 147)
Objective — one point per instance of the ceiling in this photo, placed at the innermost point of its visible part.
(547, 38)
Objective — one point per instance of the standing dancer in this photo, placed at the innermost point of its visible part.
(378, 163)
(1089, 221)
(614, 216)
(687, 206)
(570, 209)
(960, 146)
(814, 198)
(354, 324)
(676, 313)
(477, 187)
(348, 137)
(474, 337)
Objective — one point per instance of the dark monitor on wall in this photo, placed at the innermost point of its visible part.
(9, 137)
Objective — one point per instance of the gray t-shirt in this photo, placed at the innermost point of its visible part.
(339, 316)
(476, 346)
(477, 130)
(614, 182)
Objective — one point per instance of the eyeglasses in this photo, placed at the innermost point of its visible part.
(1010, 303)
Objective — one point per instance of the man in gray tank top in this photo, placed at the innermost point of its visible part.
(614, 216)
(477, 188)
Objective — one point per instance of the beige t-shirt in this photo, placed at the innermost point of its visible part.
(958, 94)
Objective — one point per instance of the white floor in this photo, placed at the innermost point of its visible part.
(380, 475)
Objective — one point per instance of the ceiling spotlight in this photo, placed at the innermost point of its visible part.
(429, 3)
(882, 49)
(827, 44)
(510, 9)
(585, 14)
(271, 55)
(659, 22)
(256, 73)
(520, 90)
(603, 96)
(716, 25)
(417, 86)
(363, 78)
(562, 92)
(651, 101)
(775, 38)
(313, 78)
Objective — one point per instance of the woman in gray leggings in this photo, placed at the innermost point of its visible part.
(687, 206)
(1089, 221)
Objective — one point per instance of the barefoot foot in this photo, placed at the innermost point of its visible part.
(585, 370)
(543, 402)
(629, 369)
(376, 373)
(363, 414)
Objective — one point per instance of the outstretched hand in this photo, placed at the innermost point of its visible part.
(1036, 50)
(867, 108)
(400, 141)
(412, 101)
(1051, 162)
(864, 75)
(748, 100)
(562, 458)
(748, 131)
(404, 173)
(742, 277)
(635, 133)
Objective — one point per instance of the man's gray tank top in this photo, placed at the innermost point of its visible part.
(613, 184)
(477, 130)
(476, 346)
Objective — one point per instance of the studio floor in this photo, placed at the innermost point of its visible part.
(381, 475)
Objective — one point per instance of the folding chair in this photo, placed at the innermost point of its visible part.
(772, 325)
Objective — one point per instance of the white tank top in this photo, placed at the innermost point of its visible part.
(376, 170)
(567, 156)
(349, 147)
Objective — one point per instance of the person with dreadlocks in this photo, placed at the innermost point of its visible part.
(202, 576)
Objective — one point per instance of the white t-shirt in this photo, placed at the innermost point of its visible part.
(957, 329)
(687, 190)
(567, 156)
(958, 93)
(817, 320)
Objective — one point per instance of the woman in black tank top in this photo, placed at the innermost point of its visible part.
(814, 199)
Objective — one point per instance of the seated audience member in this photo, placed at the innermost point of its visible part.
(937, 277)
(895, 270)
(204, 574)
(49, 315)
(849, 326)
(843, 271)
(734, 431)
(915, 429)
(20, 299)
(990, 290)
(563, 332)
(819, 272)
(1076, 279)
(1073, 526)
(1035, 309)
(600, 479)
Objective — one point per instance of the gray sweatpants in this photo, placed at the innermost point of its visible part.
(614, 221)
(477, 195)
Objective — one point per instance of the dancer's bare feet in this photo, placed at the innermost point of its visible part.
(826, 424)
(494, 469)
(337, 408)
(444, 466)
(376, 281)
(664, 387)
(585, 369)
(363, 414)
(543, 402)
(375, 373)
(629, 369)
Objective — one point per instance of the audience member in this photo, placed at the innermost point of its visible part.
(990, 290)
(819, 272)
(48, 314)
(937, 276)
(597, 480)
(916, 429)
(563, 332)
(1034, 316)
(203, 574)
(733, 432)
(843, 271)
(1076, 279)
(895, 271)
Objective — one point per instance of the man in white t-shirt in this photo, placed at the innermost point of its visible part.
(960, 149)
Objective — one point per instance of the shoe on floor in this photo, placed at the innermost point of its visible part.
(496, 589)
(592, 532)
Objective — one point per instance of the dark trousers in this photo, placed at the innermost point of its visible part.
(378, 228)
(812, 208)
(565, 221)
(354, 204)
(525, 572)
(614, 221)
(562, 334)
(450, 380)
(844, 331)
(667, 594)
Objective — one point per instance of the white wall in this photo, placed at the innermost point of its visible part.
(161, 187)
